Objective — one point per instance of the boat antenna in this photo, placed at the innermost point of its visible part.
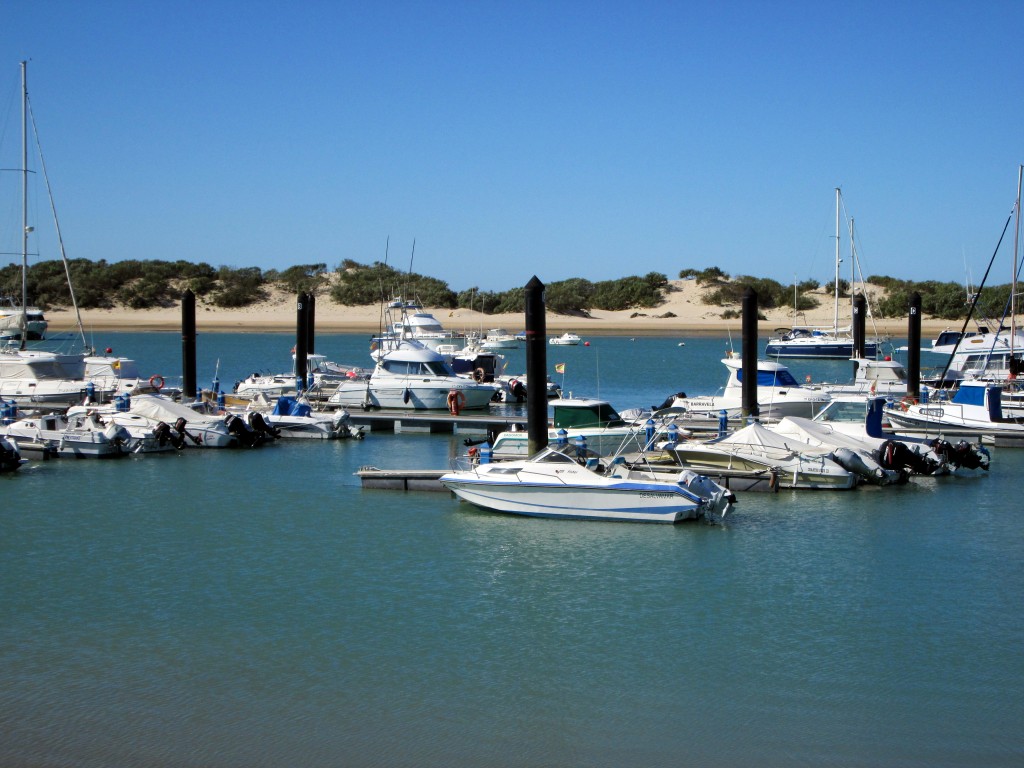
(56, 223)
(383, 296)
(24, 205)
(974, 301)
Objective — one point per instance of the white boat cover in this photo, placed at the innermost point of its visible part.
(163, 409)
(822, 435)
(758, 436)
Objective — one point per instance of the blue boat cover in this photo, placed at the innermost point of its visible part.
(289, 406)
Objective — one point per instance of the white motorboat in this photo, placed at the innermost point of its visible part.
(778, 395)
(514, 388)
(142, 435)
(975, 410)
(755, 448)
(871, 377)
(13, 319)
(600, 427)
(37, 378)
(197, 429)
(416, 325)
(499, 338)
(113, 375)
(413, 377)
(567, 339)
(81, 435)
(554, 484)
(321, 374)
(294, 418)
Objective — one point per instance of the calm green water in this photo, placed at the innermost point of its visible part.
(231, 608)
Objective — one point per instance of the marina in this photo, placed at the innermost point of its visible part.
(279, 608)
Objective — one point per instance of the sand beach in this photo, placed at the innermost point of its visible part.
(683, 312)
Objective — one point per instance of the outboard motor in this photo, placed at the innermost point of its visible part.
(245, 435)
(261, 427)
(179, 427)
(963, 454)
(668, 401)
(517, 390)
(896, 455)
(164, 435)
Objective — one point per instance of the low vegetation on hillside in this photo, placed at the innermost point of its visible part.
(140, 284)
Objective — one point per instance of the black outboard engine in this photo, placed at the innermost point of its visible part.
(668, 401)
(179, 427)
(963, 454)
(245, 434)
(517, 389)
(896, 455)
(164, 435)
(261, 427)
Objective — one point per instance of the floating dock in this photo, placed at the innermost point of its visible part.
(374, 478)
(435, 421)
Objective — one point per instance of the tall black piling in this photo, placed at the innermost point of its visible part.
(310, 323)
(914, 348)
(859, 324)
(188, 344)
(300, 343)
(748, 353)
(536, 367)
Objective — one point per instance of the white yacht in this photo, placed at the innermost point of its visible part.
(778, 395)
(412, 377)
(567, 339)
(13, 318)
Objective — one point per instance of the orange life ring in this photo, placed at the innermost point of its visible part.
(906, 402)
(456, 402)
(156, 382)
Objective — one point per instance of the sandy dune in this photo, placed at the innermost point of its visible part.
(682, 312)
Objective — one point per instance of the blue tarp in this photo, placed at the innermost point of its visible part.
(289, 406)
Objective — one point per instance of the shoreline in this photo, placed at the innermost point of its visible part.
(683, 311)
(234, 321)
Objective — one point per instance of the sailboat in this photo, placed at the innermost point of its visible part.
(32, 377)
(817, 342)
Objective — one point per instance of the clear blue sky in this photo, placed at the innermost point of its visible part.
(511, 139)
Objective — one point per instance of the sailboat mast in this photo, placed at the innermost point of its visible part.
(24, 205)
(835, 321)
(1016, 252)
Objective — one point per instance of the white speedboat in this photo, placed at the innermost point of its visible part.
(975, 410)
(755, 448)
(567, 339)
(873, 378)
(553, 484)
(778, 395)
(81, 435)
(596, 423)
(499, 338)
(514, 388)
(416, 325)
(294, 418)
(201, 430)
(142, 435)
(413, 377)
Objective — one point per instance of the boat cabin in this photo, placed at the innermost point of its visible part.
(585, 414)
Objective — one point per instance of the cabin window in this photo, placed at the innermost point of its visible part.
(780, 378)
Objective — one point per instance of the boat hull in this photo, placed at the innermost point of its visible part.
(833, 350)
(646, 503)
(409, 396)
